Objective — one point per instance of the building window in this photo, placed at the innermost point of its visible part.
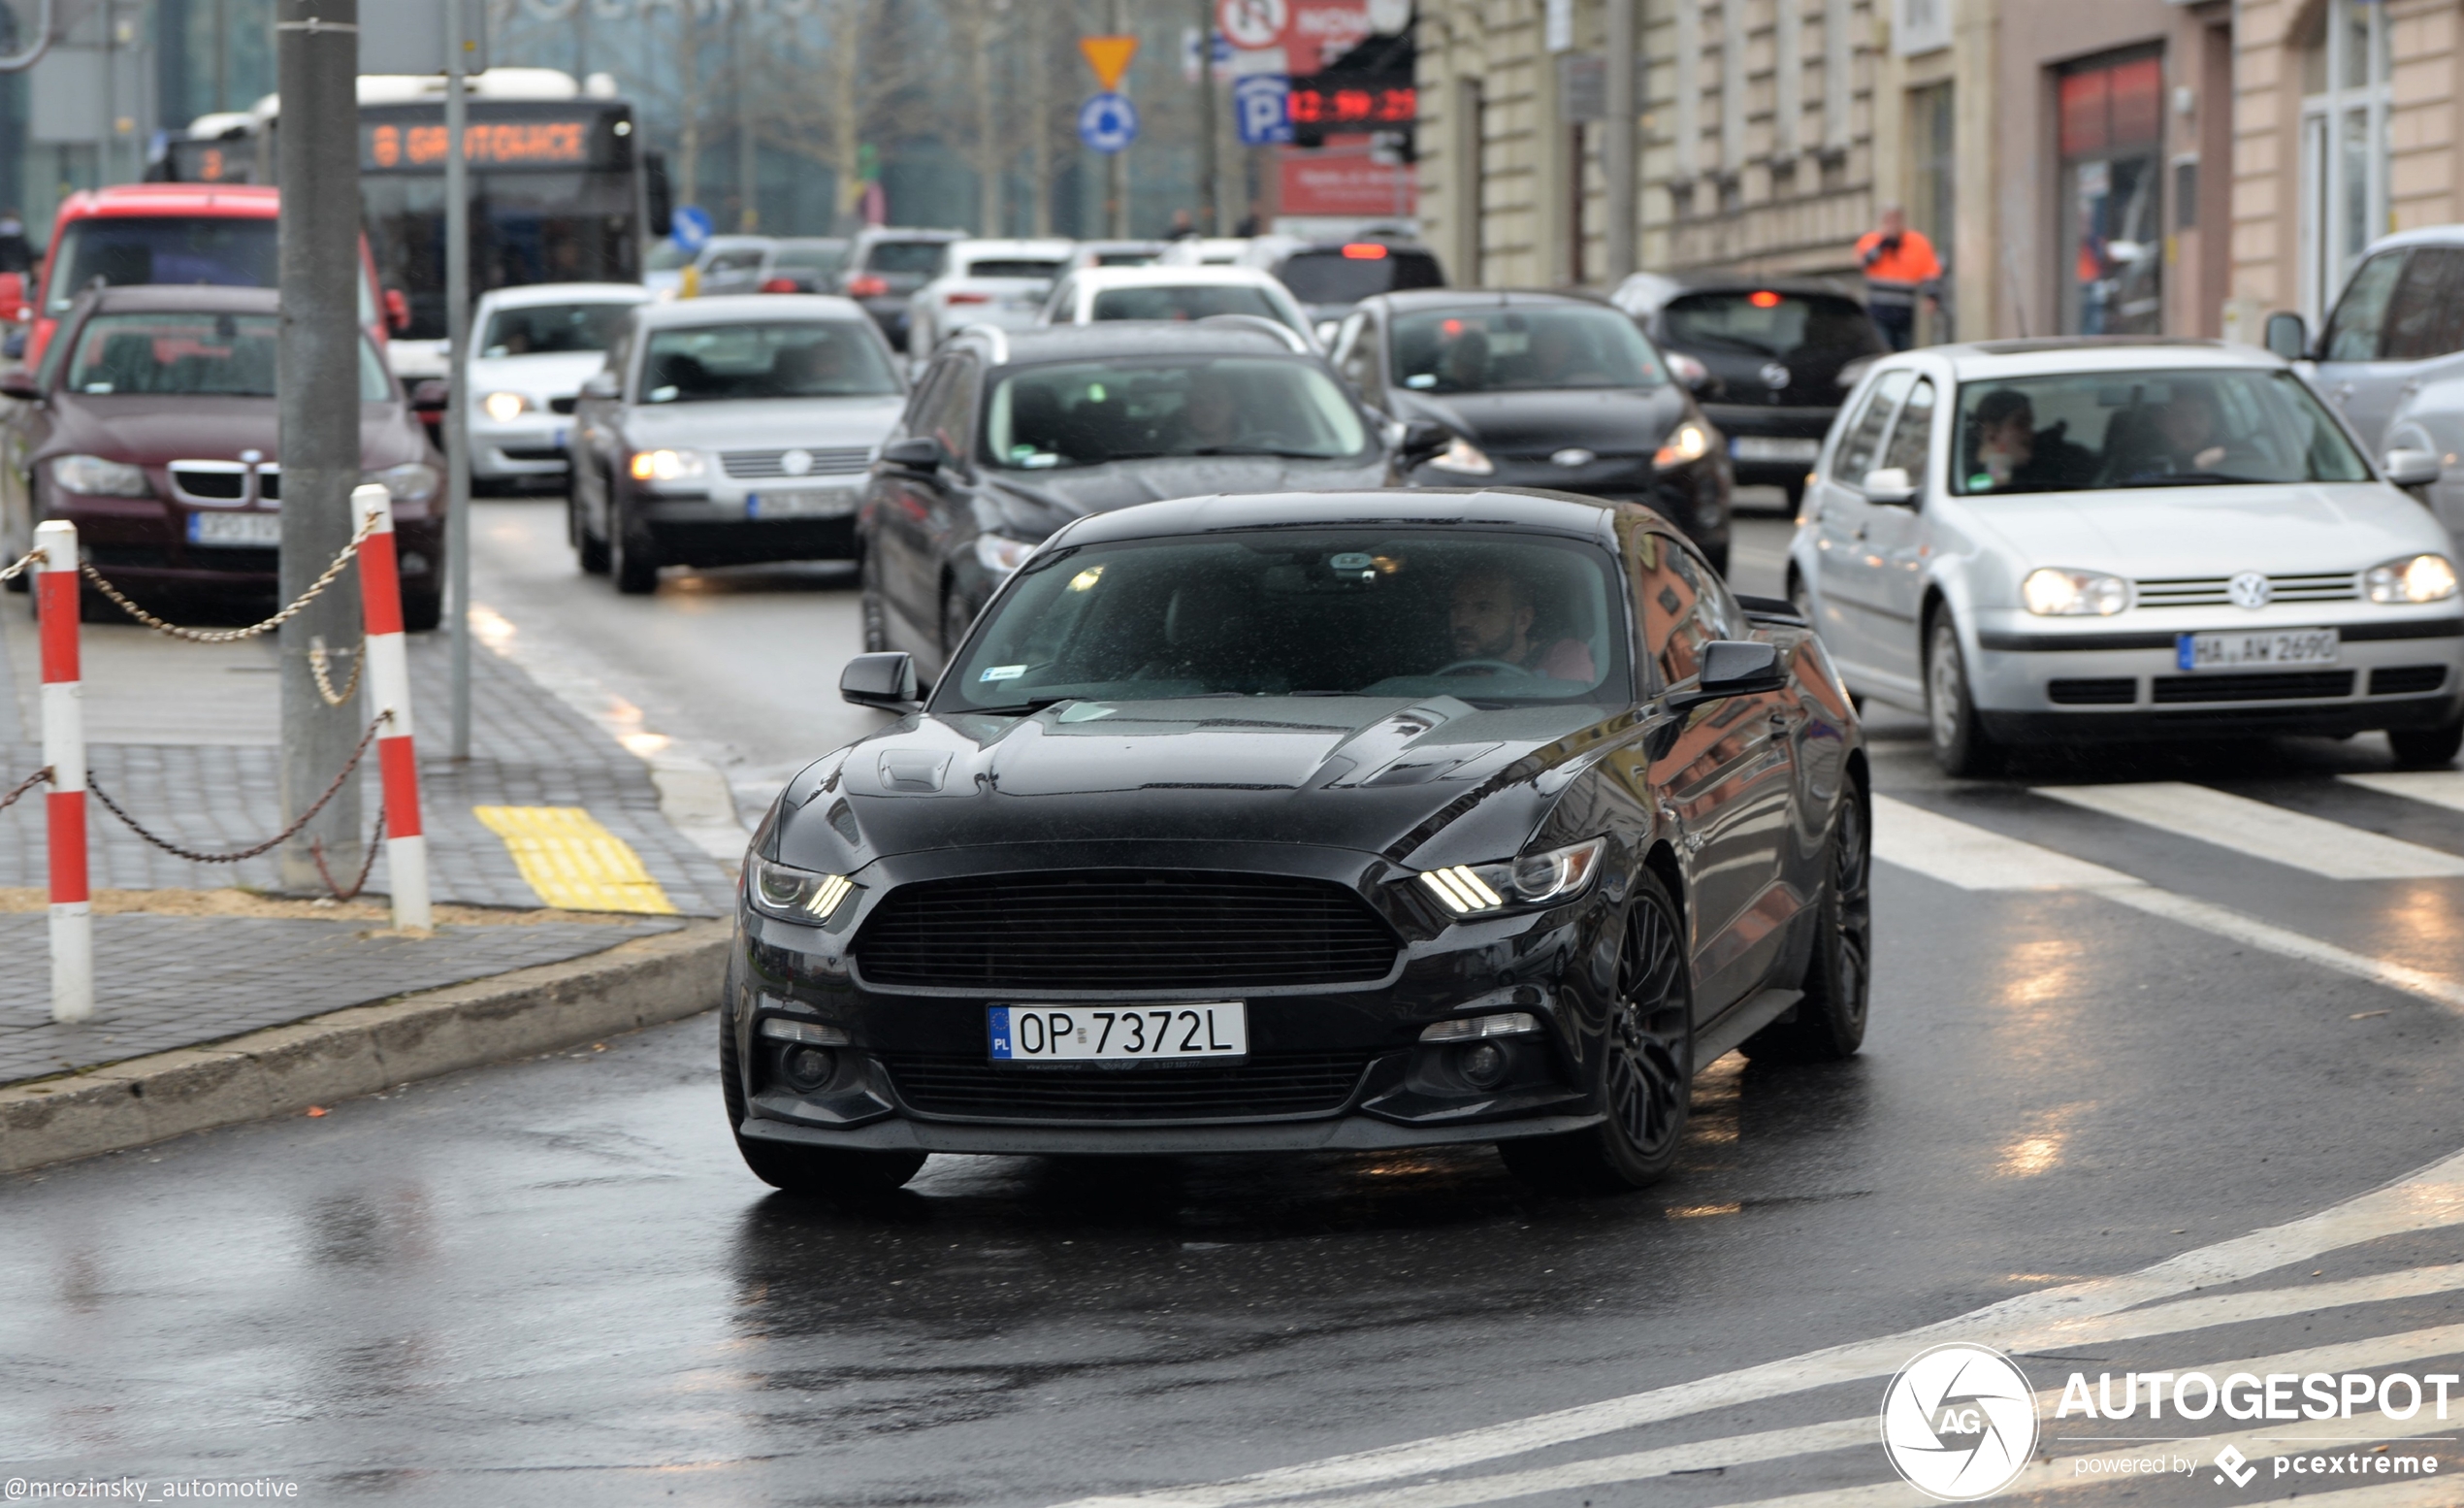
(2111, 254)
(1932, 176)
(2343, 146)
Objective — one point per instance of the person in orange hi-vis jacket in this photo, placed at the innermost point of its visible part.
(1901, 268)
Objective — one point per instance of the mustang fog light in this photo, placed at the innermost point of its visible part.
(1466, 1029)
(808, 1068)
(2415, 578)
(2052, 593)
(778, 1029)
(1484, 1064)
(795, 895)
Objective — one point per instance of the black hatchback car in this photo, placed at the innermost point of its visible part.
(1539, 391)
(1777, 360)
(1310, 821)
(1011, 436)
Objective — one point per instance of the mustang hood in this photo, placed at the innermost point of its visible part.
(1615, 421)
(2157, 531)
(1369, 775)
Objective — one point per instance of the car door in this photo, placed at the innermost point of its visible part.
(900, 502)
(1722, 784)
(2423, 333)
(1890, 573)
(1845, 584)
(2352, 371)
(597, 449)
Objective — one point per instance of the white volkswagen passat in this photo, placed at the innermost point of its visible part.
(2056, 539)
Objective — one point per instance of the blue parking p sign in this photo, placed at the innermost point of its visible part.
(1261, 106)
(1107, 122)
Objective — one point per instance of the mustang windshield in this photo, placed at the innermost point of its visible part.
(1485, 351)
(2097, 431)
(1085, 413)
(1493, 619)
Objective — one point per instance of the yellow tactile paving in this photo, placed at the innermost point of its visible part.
(572, 861)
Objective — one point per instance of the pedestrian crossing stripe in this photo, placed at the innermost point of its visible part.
(574, 863)
(2330, 849)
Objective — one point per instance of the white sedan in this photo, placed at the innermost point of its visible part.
(1094, 295)
(2054, 540)
(536, 345)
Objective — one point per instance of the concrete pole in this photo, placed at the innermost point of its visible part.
(457, 360)
(1210, 205)
(1617, 149)
(317, 68)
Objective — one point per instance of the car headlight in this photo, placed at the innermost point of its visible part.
(1688, 443)
(502, 406)
(2415, 578)
(2052, 593)
(667, 465)
(1461, 455)
(97, 478)
(412, 481)
(1000, 554)
(794, 895)
(1534, 879)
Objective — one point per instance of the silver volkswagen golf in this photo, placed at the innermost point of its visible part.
(2059, 539)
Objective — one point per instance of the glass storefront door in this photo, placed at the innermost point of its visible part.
(2111, 271)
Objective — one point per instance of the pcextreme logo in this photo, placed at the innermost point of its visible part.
(1958, 1423)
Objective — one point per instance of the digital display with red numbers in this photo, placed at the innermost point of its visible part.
(1329, 106)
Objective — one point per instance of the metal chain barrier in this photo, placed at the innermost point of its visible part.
(196, 857)
(41, 776)
(367, 865)
(318, 655)
(18, 567)
(315, 589)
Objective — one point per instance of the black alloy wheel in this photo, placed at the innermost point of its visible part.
(1645, 1075)
(803, 1170)
(632, 558)
(2427, 748)
(1961, 745)
(875, 616)
(1829, 1022)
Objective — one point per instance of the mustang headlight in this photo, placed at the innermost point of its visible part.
(1534, 879)
(412, 481)
(502, 406)
(667, 465)
(794, 895)
(97, 478)
(2052, 593)
(1688, 443)
(1000, 554)
(1461, 455)
(2415, 578)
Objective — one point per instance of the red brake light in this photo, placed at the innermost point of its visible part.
(780, 286)
(867, 286)
(969, 298)
(1763, 299)
(1365, 252)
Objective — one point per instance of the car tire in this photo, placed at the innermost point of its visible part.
(2427, 748)
(589, 551)
(805, 1170)
(1829, 1023)
(632, 558)
(1961, 745)
(873, 612)
(1645, 1073)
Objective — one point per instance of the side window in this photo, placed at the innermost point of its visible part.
(1857, 452)
(2423, 319)
(1683, 605)
(2353, 329)
(921, 398)
(1356, 357)
(949, 415)
(1059, 309)
(619, 352)
(1912, 438)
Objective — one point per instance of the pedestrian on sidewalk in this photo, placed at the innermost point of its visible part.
(1901, 268)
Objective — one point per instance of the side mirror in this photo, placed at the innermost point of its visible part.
(917, 453)
(1421, 440)
(1891, 485)
(601, 385)
(1691, 374)
(18, 383)
(397, 310)
(886, 682)
(432, 396)
(2286, 336)
(2410, 467)
(1733, 668)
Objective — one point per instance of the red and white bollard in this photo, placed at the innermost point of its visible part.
(64, 750)
(388, 673)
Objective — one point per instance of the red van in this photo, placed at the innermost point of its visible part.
(223, 234)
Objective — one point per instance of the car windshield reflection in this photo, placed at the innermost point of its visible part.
(802, 359)
(1086, 414)
(2099, 431)
(1477, 350)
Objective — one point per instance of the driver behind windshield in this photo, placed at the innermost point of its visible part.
(1490, 621)
(2008, 451)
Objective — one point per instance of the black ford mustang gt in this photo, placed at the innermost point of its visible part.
(1311, 821)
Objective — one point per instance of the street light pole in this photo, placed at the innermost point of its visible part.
(1115, 164)
(1210, 208)
(457, 371)
(318, 411)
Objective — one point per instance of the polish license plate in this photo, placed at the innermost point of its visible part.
(254, 531)
(1199, 1029)
(802, 502)
(1763, 447)
(2238, 651)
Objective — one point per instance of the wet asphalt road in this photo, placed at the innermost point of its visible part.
(551, 1280)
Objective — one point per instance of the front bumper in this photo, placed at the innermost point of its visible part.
(726, 524)
(917, 1072)
(2398, 669)
(138, 542)
(530, 447)
(1693, 497)
(1754, 427)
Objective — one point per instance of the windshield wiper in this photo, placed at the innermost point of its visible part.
(1026, 708)
(2202, 479)
(1244, 449)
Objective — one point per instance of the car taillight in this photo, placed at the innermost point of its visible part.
(779, 285)
(970, 298)
(868, 287)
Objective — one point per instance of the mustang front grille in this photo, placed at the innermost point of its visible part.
(1267, 1085)
(1123, 930)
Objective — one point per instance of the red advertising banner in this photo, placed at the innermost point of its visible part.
(1340, 179)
